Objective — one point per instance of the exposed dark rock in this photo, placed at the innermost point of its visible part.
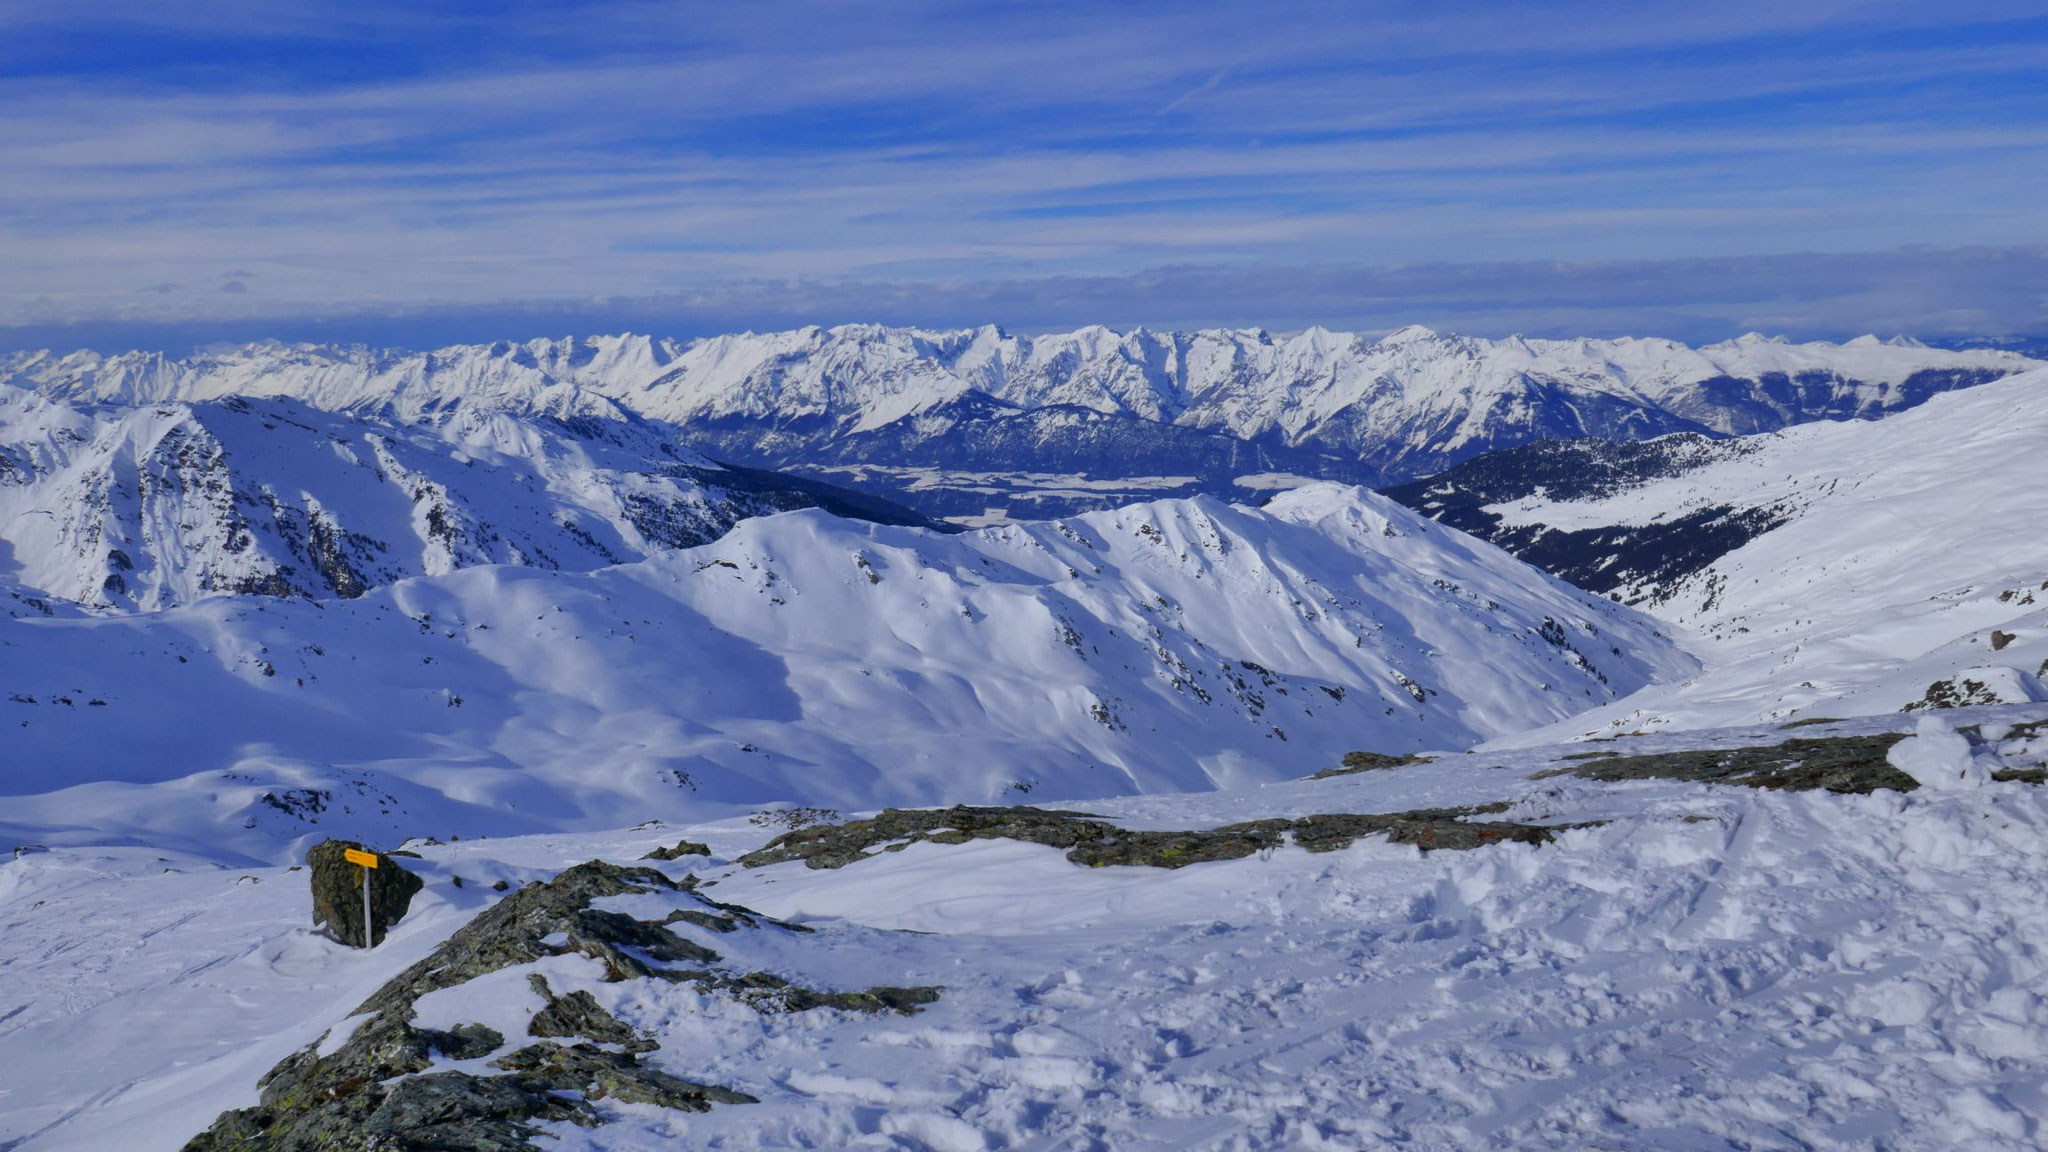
(466, 1041)
(683, 848)
(1356, 762)
(1958, 691)
(338, 892)
(1095, 842)
(375, 1093)
(579, 1014)
(619, 942)
(599, 1074)
(1833, 764)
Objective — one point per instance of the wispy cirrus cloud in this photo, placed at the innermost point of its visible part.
(1921, 291)
(436, 159)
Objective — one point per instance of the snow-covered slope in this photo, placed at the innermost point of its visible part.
(148, 506)
(1831, 568)
(1170, 412)
(1692, 967)
(1176, 646)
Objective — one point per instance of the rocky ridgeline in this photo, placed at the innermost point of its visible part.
(1858, 764)
(1095, 843)
(380, 1090)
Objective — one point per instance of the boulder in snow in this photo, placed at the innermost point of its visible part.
(338, 892)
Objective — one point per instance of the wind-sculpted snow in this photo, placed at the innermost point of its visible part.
(146, 507)
(1216, 405)
(1684, 964)
(1177, 646)
(1832, 569)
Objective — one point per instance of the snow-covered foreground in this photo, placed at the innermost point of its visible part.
(1712, 967)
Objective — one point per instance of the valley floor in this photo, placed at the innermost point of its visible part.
(1693, 966)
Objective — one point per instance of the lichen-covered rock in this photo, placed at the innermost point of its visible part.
(1833, 764)
(599, 1075)
(1362, 761)
(379, 1092)
(1094, 842)
(338, 891)
(683, 848)
(579, 1014)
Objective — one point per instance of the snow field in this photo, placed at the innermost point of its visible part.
(1176, 646)
(1710, 967)
(1912, 554)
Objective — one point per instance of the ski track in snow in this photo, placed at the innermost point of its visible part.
(1713, 967)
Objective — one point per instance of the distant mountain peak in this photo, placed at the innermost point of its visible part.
(972, 422)
(1411, 334)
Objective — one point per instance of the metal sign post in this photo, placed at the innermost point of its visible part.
(369, 862)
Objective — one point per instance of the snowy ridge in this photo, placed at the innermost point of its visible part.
(1894, 555)
(1223, 402)
(1178, 646)
(144, 507)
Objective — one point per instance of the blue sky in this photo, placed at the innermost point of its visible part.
(421, 173)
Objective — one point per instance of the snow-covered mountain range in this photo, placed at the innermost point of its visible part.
(139, 507)
(959, 422)
(1635, 943)
(1834, 569)
(1177, 646)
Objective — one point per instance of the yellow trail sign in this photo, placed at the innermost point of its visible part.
(355, 856)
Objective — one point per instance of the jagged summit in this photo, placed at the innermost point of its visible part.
(1411, 334)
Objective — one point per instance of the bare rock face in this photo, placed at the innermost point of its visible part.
(338, 891)
(683, 848)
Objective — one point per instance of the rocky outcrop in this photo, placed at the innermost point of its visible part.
(1095, 842)
(338, 892)
(387, 1087)
(1362, 761)
(682, 848)
(1832, 764)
